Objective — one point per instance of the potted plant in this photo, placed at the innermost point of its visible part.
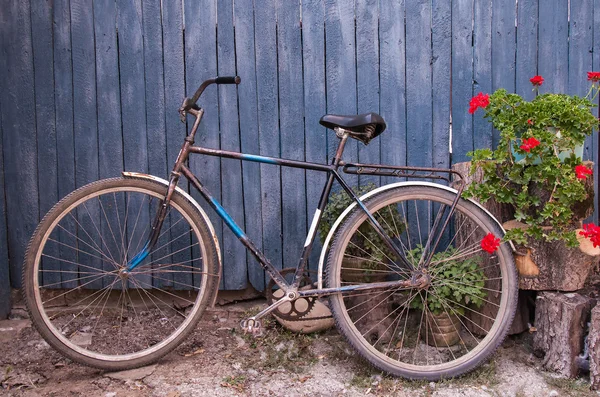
(455, 285)
(537, 167)
(363, 261)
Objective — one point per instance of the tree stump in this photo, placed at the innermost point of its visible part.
(594, 348)
(560, 320)
(552, 265)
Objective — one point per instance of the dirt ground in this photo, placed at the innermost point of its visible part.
(218, 360)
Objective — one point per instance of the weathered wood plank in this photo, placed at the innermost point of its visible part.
(201, 64)
(268, 127)
(41, 33)
(174, 70)
(580, 55)
(392, 57)
(553, 46)
(503, 51)
(19, 138)
(63, 103)
(462, 79)
(249, 138)
(5, 302)
(110, 146)
(133, 104)
(367, 78)
(340, 70)
(234, 254)
(155, 106)
(291, 121)
(441, 47)
(527, 42)
(315, 135)
(482, 68)
(418, 83)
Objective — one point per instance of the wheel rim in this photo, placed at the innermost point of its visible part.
(399, 328)
(155, 302)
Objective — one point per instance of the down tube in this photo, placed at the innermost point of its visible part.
(239, 233)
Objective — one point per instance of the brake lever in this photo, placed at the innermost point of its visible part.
(185, 106)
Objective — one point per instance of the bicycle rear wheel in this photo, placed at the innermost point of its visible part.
(448, 325)
(79, 296)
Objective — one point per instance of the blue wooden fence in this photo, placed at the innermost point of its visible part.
(91, 88)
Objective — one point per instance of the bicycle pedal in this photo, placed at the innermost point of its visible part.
(252, 326)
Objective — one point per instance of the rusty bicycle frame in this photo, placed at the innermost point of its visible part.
(290, 290)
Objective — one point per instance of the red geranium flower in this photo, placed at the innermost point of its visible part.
(537, 80)
(591, 232)
(490, 243)
(594, 76)
(529, 144)
(480, 100)
(582, 171)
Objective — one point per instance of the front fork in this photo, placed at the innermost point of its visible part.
(165, 203)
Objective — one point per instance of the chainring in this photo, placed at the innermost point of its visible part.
(297, 309)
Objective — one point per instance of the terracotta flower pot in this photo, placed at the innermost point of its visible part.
(444, 329)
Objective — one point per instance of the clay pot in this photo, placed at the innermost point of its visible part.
(444, 329)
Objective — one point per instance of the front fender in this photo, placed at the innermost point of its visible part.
(185, 194)
(346, 212)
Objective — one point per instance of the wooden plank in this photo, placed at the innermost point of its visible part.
(553, 46)
(19, 138)
(41, 33)
(174, 72)
(482, 69)
(418, 83)
(234, 258)
(315, 135)
(441, 47)
(291, 121)
(503, 52)
(462, 79)
(268, 128)
(392, 84)
(110, 146)
(527, 42)
(367, 77)
(5, 299)
(63, 103)
(133, 103)
(155, 109)
(110, 157)
(341, 70)
(249, 138)
(201, 64)
(580, 55)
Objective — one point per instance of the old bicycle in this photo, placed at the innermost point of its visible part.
(121, 270)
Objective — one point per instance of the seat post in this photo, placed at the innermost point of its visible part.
(343, 135)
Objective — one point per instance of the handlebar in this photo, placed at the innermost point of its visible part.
(190, 103)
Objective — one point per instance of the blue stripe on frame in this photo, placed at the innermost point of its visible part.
(260, 159)
(227, 219)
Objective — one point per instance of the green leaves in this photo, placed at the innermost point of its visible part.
(542, 189)
(455, 284)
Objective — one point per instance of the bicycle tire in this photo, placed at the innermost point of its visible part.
(156, 307)
(394, 356)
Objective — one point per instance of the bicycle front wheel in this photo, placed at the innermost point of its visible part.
(81, 298)
(453, 320)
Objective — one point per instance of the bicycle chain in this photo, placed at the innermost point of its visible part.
(300, 315)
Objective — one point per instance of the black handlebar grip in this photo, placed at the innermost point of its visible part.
(228, 80)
